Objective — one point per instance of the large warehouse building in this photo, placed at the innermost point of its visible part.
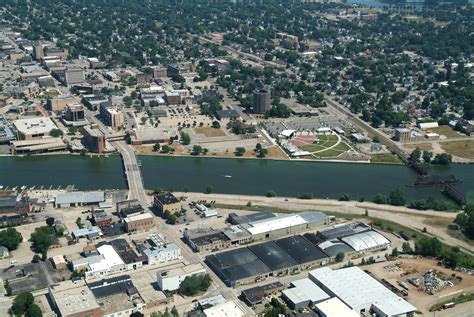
(276, 227)
(367, 241)
(238, 266)
(361, 292)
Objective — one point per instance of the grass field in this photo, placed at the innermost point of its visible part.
(324, 142)
(385, 158)
(446, 131)
(464, 149)
(335, 151)
(209, 132)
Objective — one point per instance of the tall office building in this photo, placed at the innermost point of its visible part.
(38, 51)
(261, 100)
(74, 76)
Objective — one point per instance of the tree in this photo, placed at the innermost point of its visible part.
(209, 189)
(428, 246)
(406, 248)
(34, 311)
(10, 238)
(442, 159)
(50, 221)
(56, 133)
(380, 199)
(216, 124)
(395, 252)
(239, 151)
(397, 198)
(279, 111)
(194, 284)
(258, 147)
(21, 303)
(465, 220)
(427, 156)
(174, 312)
(415, 155)
(42, 238)
(262, 153)
(185, 138)
(36, 258)
(156, 147)
(340, 257)
(128, 101)
(197, 149)
(344, 197)
(271, 194)
(165, 148)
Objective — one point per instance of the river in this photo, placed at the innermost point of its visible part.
(286, 178)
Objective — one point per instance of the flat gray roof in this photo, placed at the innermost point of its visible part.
(79, 198)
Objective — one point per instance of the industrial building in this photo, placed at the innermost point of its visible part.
(170, 280)
(238, 266)
(258, 216)
(275, 258)
(74, 199)
(343, 230)
(367, 241)
(334, 307)
(361, 292)
(277, 227)
(303, 251)
(254, 296)
(304, 293)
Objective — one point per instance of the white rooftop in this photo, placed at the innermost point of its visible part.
(335, 308)
(228, 309)
(305, 290)
(32, 126)
(110, 255)
(358, 289)
(73, 300)
(286, 221)
(366, 240)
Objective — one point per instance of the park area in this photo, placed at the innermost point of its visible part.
(321, 146)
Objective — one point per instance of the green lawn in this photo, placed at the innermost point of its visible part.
(325, 141)
(385, 158)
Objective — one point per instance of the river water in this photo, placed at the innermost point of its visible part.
(257, 177)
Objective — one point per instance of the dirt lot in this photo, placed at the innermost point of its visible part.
(422, 146)
(402, 269)
(464, 149)
(446, 131)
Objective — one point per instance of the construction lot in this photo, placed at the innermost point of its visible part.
(442, 282)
